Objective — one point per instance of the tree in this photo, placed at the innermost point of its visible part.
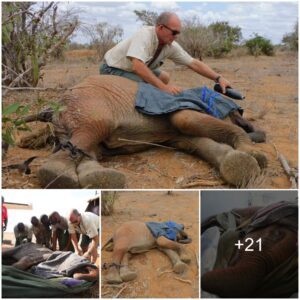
(227, 36)
(290, 40)
(195, 38)
(31, 33)
(146, 16)
(104, 37)
(108, 199)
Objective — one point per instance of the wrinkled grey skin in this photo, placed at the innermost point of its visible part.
(100, 112)
(245, 272)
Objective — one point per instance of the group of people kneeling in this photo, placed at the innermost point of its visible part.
(79, 232)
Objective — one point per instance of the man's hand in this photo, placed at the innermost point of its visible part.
(172, 89)
(87, 255)
(224, 83)
(79, 251)
(4, 228)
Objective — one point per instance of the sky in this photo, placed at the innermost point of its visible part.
(269, 19)
(45, 202)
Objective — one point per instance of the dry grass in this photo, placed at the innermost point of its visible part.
(80, 53)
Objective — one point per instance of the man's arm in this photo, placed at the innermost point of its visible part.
(74, 240)
(67, 247)
(54, 240)
(147, 75)
(204, 70)
(91, 253)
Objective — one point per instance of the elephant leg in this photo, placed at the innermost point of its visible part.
(178, 265)
(235, 167)
(125, 273)
(120, 250)
(90, 173)
(256, 135)
(89, 274)
(59, 172)
(24, 263)
(165, 243)
(194, 123)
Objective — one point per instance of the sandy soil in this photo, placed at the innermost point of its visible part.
(157, 207)
(270, 85)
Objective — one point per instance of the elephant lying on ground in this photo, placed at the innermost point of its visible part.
(135, 237)
(100, 118)
(68, 264)
(271, 271)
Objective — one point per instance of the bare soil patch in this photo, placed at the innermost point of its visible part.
(270, 85)
(181, 207)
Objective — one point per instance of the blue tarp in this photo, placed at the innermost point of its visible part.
(152, 101)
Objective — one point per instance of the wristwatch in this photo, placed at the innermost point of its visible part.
(218, 78)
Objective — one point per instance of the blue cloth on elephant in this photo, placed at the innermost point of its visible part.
(152, 101)
(167, 229)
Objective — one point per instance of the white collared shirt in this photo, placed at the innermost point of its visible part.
(89, 225)
(142, 45)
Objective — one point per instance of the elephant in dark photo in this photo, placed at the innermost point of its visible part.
(265, 264)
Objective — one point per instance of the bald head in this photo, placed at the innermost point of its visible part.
(167, 28)
(166, 17)
(74, 217)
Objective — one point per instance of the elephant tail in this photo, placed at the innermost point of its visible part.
(108, 246)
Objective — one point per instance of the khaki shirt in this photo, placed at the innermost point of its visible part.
(142, 45)
(89, 225)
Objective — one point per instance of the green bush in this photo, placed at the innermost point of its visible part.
(260, 46)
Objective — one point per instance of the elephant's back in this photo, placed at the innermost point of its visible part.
(135, 235)
(106, 90)
(98, 98)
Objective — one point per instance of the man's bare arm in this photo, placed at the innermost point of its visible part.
(204, 70)
(147, 75)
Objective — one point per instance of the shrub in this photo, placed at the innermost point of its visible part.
(260, 45)
(290, 40)
(108, 199)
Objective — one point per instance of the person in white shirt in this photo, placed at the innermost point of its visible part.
(140, 56)
(87, 224)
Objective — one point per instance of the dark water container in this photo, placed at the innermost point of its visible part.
(231, 93)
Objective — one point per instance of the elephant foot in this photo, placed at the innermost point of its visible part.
(179, 267)
(58, 173)
(92, 175)
(184, 256)
(259, 156)
(126, 274)
(113, 276)
(238, 168)
(257, 136)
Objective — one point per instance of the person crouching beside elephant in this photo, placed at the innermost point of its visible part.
(23, 234)
(138, 237)
(60, 233)
(86, 224)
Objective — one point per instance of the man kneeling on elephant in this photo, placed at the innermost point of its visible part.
(138, 237)
(86, 224)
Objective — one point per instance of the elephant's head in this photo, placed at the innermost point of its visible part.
(246, 270)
